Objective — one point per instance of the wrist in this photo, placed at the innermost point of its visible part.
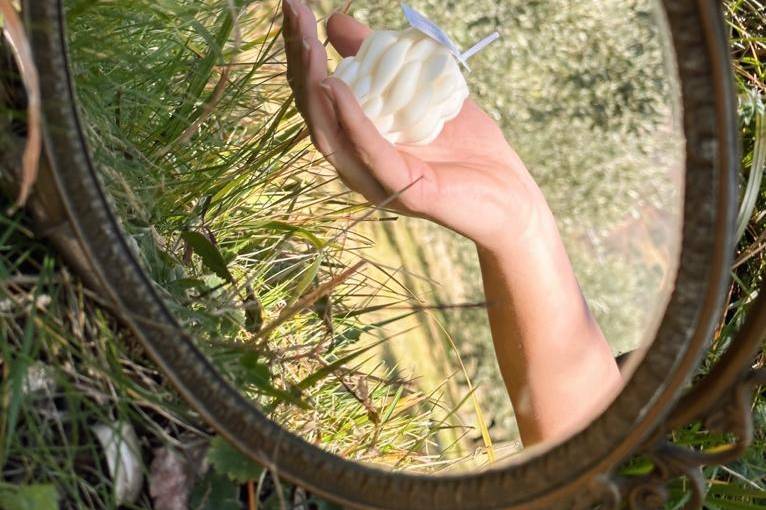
(531, 277)
(529, 223)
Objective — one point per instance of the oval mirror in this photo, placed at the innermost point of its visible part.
(368, 331)
(376, 261)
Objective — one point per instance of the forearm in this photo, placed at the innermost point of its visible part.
(557, 366)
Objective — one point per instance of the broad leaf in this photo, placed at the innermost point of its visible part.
(209, 254)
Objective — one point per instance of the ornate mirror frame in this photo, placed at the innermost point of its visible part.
(72, 209)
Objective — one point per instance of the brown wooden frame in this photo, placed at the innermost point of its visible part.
(74, 211)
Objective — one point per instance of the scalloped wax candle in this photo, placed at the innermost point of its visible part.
(409, 83)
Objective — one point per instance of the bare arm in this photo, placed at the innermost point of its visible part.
(557, 366)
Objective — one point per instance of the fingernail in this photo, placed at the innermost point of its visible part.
(329, 17)
(290, 8)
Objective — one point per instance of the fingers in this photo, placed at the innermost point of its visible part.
(307, 69)
(319, 114)
(299, 25)
(292, 50)
(346, 34)
(305, 21)
(323, 124)
(394, 171)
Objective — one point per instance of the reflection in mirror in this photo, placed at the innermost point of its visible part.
(371, 332)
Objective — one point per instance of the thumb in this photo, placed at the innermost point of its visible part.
(346, 34)
(396, 172)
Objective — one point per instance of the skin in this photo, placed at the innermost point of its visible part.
(557, 366)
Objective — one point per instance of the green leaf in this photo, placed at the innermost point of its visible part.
(28, 497)
(392, 406)
(215, 492)
(722, 504)
(257, 372)
(229, 461)
(306, 279)
(638, 467)
(753, 187)
(184, 284)
(201, 76)
(737, 491)
(306, 235)
(19, 365)
(353, 333)
(77, 8)
(209, 254)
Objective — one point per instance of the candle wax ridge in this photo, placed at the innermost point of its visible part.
(408, 84)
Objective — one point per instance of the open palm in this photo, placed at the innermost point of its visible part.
(469, 179)
(556, 364)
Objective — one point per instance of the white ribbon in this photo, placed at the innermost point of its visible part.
(432, 30)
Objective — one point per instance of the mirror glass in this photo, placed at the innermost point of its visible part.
(370, 331)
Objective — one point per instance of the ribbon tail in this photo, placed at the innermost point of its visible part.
(476, 48)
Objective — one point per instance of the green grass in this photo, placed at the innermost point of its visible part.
(236, 220)
(197, 139)
(742, 484)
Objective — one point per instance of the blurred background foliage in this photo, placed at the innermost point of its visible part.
(593, 114)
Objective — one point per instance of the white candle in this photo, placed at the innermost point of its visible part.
(408, 84)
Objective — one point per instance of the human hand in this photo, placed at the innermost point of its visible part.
(555, 362)
(469, 179)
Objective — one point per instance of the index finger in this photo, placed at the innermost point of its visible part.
(346, 34)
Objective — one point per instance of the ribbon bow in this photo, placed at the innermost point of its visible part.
(419, 22)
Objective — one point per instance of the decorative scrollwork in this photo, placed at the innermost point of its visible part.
(647, 496)
(670, 461)
(602, 491)
(730, 415)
